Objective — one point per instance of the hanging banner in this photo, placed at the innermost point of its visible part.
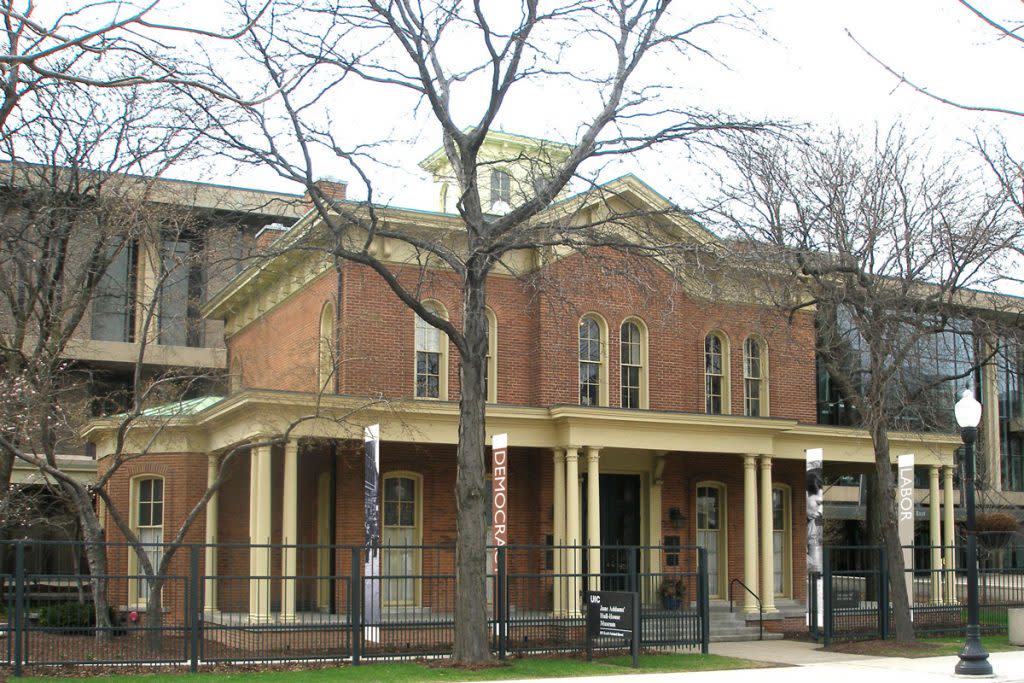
(371, 540)
(499, 495)
(816, 524)
(905, 519)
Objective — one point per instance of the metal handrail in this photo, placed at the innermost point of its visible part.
(760, 607)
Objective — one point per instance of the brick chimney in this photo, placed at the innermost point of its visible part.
(269, 234)
(330, 187)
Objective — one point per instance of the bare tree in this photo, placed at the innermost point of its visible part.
(447, 58)
(886, 242)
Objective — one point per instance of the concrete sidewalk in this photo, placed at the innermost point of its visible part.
(800, 662)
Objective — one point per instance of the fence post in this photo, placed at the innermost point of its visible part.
(883, 594)
(631, 576)
(19, 605)
(195, 607)
(703, 599)
(826, 594)
(355, 596)
(500, 602)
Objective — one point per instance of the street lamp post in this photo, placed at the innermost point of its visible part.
(973, 657)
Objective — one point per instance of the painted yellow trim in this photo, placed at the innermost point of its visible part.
(492, 355)
(644, 360)
(417, 479)
(602, 373)
(726, 370)
(787, 538)
(763, 357)
(326, 347)
(134, 599)
(723, 531)
(443, 342)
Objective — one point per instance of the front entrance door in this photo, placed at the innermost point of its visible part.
(620, 526)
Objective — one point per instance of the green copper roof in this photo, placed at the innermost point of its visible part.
(192, 406)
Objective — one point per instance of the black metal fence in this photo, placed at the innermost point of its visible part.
(311, 602)
(850, 598)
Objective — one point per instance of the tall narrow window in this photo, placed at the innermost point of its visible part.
(431, 363)
(630, 358)
(149, 526)
(780, 539)
(326, 349)
(716, 378)
(181, 290)
(711, 531)
(501, 187)
(400, 534)
(113, 304)
(755, 399)
(591, 370)
(491, 366)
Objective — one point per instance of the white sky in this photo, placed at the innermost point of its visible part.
(805, 68)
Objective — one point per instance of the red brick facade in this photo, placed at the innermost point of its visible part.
(537, 365)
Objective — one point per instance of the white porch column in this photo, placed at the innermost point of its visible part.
(558, 504)
(289, 529)
(259, 531)
(594, 517)
(948, 520)
(212, 514)
(750, 531)
(935, 534)
(767, 537)
(573, 535)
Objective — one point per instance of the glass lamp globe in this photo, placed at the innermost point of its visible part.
(967, 410)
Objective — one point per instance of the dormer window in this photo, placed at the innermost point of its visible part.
(501, 191)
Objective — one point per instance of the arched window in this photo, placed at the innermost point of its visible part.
(431, 356)
(491, 367)
(755, 377)
(633, 364)
(593, 371)
(716, 374)
(147, 521)
(325, 375)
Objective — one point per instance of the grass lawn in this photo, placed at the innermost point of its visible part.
(413, 671)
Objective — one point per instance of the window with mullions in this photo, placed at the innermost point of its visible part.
(631, 367)
(1010, 388)
(501, 187)
(149, 526)
(590, 362)
(716, 378)
(429, 357)
(755, 403)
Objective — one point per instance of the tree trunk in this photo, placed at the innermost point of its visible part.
(96, 557)
(471, 638)
(154, 614)
(885, 505)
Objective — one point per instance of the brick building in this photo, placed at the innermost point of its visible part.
(637, 413)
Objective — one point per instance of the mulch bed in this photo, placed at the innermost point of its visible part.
(887, 648)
